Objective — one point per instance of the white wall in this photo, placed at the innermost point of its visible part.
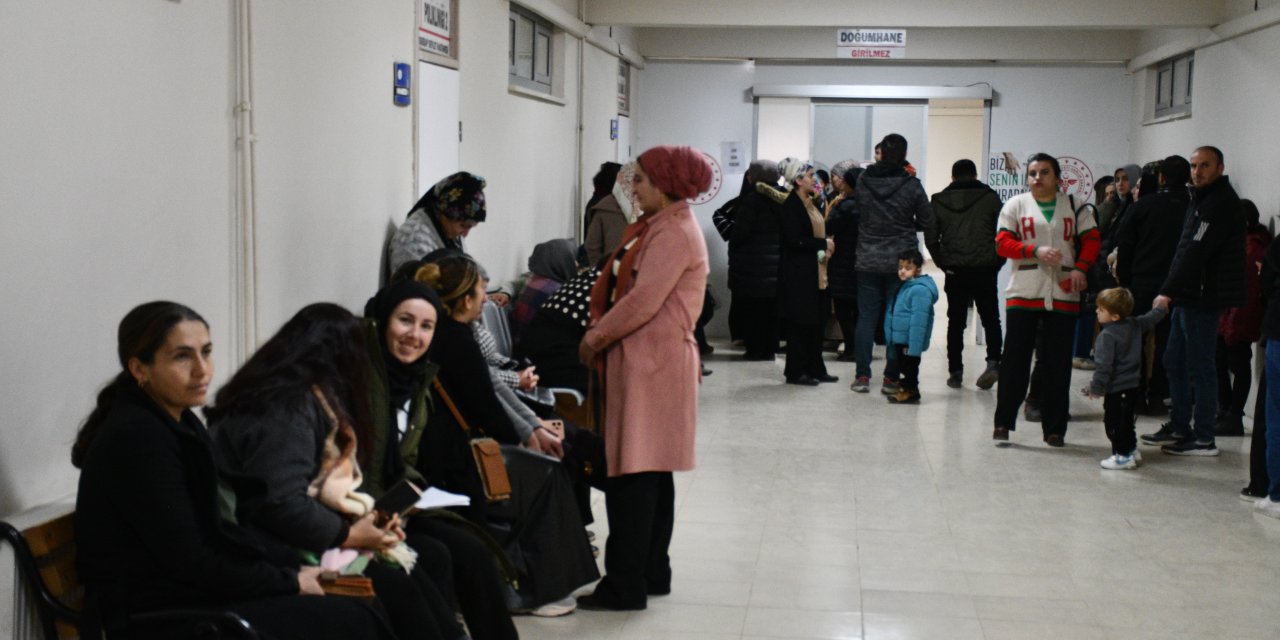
(700, 105)
(334, 155)
(1235, 89)
(1061, 110)
(116, 187)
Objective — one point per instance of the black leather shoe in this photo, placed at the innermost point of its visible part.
(827, 378)
(803, 381)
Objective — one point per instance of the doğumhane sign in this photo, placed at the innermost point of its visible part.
(871, 43)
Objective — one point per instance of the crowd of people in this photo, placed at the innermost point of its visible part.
(1159, 286)
(264, 509)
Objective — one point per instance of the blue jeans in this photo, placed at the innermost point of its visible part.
(875, 290)
(1083, 347)
(1272, 420)
(1193, 377)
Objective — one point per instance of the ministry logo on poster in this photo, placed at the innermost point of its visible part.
(1077, 179)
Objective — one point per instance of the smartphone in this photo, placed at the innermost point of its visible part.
(398, 500)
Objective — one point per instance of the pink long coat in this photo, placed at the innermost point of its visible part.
(652, 366)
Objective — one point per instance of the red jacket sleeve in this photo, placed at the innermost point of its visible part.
(1009, 246)
(1090, 244)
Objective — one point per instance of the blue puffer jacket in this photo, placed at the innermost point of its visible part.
(909, 317)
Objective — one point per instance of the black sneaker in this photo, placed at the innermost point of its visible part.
(1165, 435)
(955, 380)
(1030, 413)
(990, 376)
(1249, 494)
(1191, 447)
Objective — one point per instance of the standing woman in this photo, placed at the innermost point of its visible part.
(754, 249)
(150, 530)
(643, 310)
(802, 276)
(1038, 233)
(842, 275)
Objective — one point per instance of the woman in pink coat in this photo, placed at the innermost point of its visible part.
(643, 310)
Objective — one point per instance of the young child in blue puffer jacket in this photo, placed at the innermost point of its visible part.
(908, 323)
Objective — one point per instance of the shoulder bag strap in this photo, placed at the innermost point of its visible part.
(457, 415)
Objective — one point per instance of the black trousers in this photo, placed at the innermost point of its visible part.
(467, 575)
(1259, 479)
(978, 287)
(1155, 381)
(298, 617)
(1235, 377)
(908, 368)
(414, 607)
(758, 324)
(1054, 356)
(1119, 414)
(846, 310)
(641, 516)
(804, 351)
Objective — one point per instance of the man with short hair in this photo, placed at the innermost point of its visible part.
(962, 243)
(1207, 276)
(1145, 245)
(891, 205)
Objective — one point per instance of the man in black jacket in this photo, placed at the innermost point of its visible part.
(891, 206)
(962, 242)
(1145, 244)
(1207, 276)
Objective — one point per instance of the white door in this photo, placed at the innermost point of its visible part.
(622, 146)
(438, 97)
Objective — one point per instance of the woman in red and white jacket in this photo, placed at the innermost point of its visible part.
(1050, 246)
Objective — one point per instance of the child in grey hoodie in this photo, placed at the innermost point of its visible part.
(1118, 353)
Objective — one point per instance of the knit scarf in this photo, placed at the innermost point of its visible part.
(819, 225)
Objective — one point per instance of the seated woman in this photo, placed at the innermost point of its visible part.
(278, 420)
(540, 526)
(400, 323)
(552, 338)
(551, 265)
(151, 533)
(445, 214)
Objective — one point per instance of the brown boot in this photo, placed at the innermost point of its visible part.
(905, 396)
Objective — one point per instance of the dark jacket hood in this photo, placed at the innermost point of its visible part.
(883, 179)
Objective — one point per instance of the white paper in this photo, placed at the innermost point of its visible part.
(434, 498)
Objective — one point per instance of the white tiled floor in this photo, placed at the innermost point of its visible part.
(820, 513)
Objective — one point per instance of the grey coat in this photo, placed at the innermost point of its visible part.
(1118, 353)
(414, 239)
(892, 206)
(605, 230)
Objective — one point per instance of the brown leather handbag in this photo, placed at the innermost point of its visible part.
(486, 452)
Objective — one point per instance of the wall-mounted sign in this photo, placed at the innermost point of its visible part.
(437, 31)
(871, 43)
(734, 159)
(1077, 179)
(1008, 177)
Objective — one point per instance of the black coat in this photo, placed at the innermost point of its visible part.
(1208, 268)
(963, 235)
(148, 530)
(1148, 238)
(1269, 288)
(798, 296)
(755, 244)
(842, 226)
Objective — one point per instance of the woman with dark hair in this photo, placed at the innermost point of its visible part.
(1039, 232)
(842, 275)
(1239, 329)
(608, 213)
(551, 264)
(288, 420)
(643, 310)
(540, 527)
(445, 214)
(802, 276)
(151, 530)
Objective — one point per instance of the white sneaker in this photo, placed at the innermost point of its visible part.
(556, 609)
(1118, 462)
(1268, 507)
(1137, 455)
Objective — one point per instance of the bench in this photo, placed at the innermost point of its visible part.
(45, 559)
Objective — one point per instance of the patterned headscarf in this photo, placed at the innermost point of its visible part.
(624, 191)
(457, 197)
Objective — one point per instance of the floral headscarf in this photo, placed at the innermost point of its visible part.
(624, 191)
(457, 197)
